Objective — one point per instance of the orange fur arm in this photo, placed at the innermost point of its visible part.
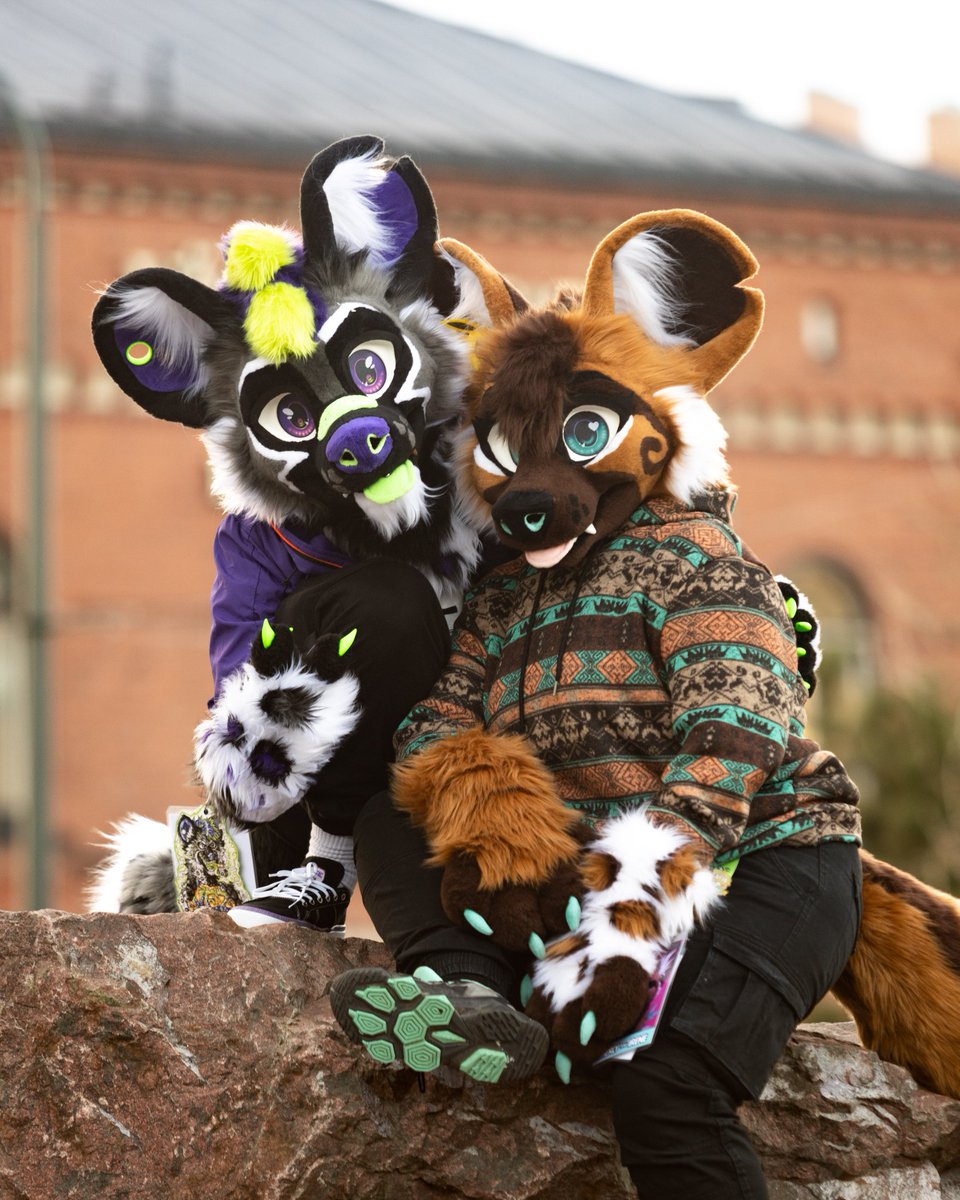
(489, 796)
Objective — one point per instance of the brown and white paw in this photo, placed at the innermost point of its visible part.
(648, 884)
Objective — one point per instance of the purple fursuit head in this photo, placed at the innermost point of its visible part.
(320, 371)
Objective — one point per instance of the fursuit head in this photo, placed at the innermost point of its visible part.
(325, 374)
(578, 413)
(321, 373)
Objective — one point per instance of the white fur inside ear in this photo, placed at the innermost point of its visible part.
(699, 463)
(178, 334)
(357, 224)
(471, 306)
(644, 274)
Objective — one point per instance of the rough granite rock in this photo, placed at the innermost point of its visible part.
(180, 1056)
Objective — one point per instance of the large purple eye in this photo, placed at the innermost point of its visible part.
(295, 418)
(371, 366)
(287, 418)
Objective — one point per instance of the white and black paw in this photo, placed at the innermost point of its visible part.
(648, 886)
(806, 627)
(277, 722)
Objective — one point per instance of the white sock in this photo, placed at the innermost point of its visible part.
(339, 848)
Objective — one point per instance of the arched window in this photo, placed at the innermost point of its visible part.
(848, 669)
(820, 330)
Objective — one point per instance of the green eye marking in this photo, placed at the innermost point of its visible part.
(138, 354)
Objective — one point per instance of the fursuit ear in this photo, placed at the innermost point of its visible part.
(355, 200)
(679, 274)
(150, 329)
(484, 297)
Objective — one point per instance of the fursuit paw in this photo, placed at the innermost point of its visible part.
(649, 883)
(517, 916)
(277, 722)
(806, 627)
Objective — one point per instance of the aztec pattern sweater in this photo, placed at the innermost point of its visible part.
(662, 670)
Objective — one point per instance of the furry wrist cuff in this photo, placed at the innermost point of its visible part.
(269, 735)
(490, 797)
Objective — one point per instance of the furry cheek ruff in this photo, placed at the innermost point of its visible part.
(642, 851)
(700, 462)
(256, 762)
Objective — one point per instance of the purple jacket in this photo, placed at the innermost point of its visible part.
(257, 565)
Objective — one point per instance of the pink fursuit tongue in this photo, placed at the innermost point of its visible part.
(541, 559)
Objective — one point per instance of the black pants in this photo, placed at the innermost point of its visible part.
(776, 946)
(402, 644)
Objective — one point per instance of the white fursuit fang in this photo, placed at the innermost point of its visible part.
(642, 849)
(223, 758)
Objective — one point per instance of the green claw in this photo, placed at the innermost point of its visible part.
(806, 685)
(475, 921)
(588, 1027)
(563, 1066)
(801, 653)
(346, 642)
(537, 948)
(267, 634)
(791, 607)
(802, 626)
(526, 990)
(573, 914)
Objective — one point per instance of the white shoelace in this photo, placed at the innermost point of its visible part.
(302, 883)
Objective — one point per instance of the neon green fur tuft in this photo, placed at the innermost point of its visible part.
(255, 253)
(280, 324)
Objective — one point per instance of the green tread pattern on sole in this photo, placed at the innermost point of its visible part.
(380, 1050)
(485, 1065)
(396, 1023)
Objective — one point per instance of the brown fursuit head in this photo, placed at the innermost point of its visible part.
(581, 411)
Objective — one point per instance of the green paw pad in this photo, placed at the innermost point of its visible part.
(405, 986)
(421, 1057)
(378, 998)
(484, 1065)
(367, 1022)
(382, 1051)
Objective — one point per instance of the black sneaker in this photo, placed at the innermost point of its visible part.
(424, 1023)
(312, 895)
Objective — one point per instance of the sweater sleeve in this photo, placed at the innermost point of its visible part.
(729, 663)
(456, 702)
(248, 586)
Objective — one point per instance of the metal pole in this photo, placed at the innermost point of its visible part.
(31, 134)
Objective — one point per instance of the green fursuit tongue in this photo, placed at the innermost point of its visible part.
(392, 486)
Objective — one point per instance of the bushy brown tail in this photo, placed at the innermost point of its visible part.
(902, 983)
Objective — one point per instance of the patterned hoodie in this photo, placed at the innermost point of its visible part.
(661, 670)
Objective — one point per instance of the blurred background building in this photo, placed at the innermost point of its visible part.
(164, 125)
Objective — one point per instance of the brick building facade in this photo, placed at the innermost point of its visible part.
(844, 422)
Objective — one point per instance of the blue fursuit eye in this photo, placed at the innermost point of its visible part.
(586, 432)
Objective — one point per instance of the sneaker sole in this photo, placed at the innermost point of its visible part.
(399, 1024)
(249, 918)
